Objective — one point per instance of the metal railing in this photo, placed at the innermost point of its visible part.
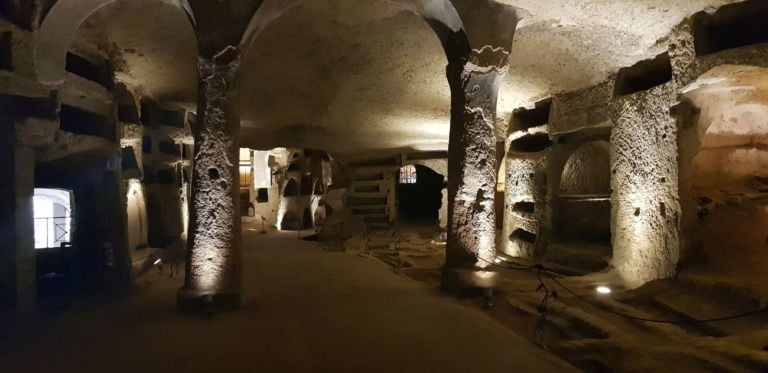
(56, 228)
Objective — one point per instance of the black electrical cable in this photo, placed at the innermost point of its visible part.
(604, 308)
(660, 321)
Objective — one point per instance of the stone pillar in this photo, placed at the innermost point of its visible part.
(645, 214)
(213, 258)
(478, 58)
(472, 167)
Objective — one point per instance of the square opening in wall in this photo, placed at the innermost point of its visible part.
(262, 195)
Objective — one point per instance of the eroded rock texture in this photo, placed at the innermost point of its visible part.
(213, 265)
(472, 157)
(646, 210)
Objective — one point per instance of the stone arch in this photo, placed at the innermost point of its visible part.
(440, 15)
(584, 196)
(587, 170)
(59, 28)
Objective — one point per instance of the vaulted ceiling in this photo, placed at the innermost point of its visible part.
(351, 76)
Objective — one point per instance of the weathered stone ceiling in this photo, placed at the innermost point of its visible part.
(351, 75)
(152, 44)
(348, 73)
(569, 44)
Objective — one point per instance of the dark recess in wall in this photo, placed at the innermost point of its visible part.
(168, 148)
(732, 26)
(35, 107)
(291, 189)
(128, 114)
(524, 207)
(6, 51)
(86, 123)
(530, 143)
(127, 111)
(643, 75)
(262, 195)
(152, 115)
(166, 176)
(306, 185)
(523, 119)
(19, 12)
(427, 155)
(523, 235)
(146, 144)
(80, 66)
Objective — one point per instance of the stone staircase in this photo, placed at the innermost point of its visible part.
(372, 192)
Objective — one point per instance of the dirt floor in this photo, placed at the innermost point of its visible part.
(305, 310)
(594, 338)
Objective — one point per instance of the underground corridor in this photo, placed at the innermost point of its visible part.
(383, 185)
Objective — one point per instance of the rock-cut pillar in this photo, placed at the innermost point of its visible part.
(471, 167)
(213, 266)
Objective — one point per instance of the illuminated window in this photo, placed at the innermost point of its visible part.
(408, 175)
(53, 217)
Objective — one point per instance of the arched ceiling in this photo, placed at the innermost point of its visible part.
(349, 76)
(152, 45)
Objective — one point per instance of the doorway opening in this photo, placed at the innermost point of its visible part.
(419, 194)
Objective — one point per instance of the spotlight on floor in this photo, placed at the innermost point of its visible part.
(603, 290)
(158, 263)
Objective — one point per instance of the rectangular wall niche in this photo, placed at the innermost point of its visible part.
(262, 195)
(6, 51)
(169, 148)
(524, 119)
(35, 107)
(83, 122)
(152, 115)
(733, 26)
(89, 70)
(526, 208)
(523, 236)
(643, 75)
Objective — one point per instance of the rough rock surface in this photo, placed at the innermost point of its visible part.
(213, 263)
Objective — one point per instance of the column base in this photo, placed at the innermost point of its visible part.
(469, 280)
(199, 300)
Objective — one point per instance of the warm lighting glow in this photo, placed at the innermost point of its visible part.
(497, 260)
(603, 290)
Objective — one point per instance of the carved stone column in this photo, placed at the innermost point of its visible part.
(213, 258)
(472, 157)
